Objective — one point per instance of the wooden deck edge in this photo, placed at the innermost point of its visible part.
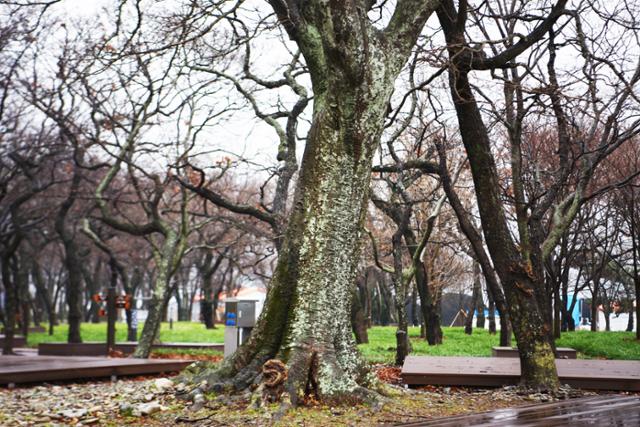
(83, 372)
(614, 384)
(99, 349)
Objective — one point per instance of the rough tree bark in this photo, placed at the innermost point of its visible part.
(305, 320)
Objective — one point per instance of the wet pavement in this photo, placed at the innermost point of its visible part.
(609, 410)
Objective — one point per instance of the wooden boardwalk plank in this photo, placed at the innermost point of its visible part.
(500, 371)
(561, 352)
(615, 410)
(24, 369)
(18, 341)
(100, 348)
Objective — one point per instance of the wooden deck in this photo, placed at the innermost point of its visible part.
(500, 371)
(100, 348)
(27, 369)
(561, 352)
(615, 410)
(18, 341)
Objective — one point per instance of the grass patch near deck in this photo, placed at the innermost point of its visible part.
(381, 347)
(181, 332)
(589, 345)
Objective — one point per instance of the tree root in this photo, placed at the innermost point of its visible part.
(263, 384)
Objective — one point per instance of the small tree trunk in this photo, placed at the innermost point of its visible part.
(492, 317)
(402, 344)
(415, 318)
(74, 300)
(132, 324)
(434, 329)
(22, 284)
(36, 309)
(43, 294)
(10, 306)
(594, 313)
(206, 309)
(358, 320)
(505, 332)
(557, 304)
(402, 336)
(481, 318)
(166, 258)
(468, 322)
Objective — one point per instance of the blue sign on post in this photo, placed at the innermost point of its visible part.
(231, 319)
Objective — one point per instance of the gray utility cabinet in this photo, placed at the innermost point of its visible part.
(239, 320)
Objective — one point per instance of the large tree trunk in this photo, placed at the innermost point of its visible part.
(305, 320)
(517, 275)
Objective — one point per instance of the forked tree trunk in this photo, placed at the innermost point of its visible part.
(517, 274)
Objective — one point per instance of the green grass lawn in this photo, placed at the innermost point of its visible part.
(181, 332)
(609, 345)
(381, 347)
